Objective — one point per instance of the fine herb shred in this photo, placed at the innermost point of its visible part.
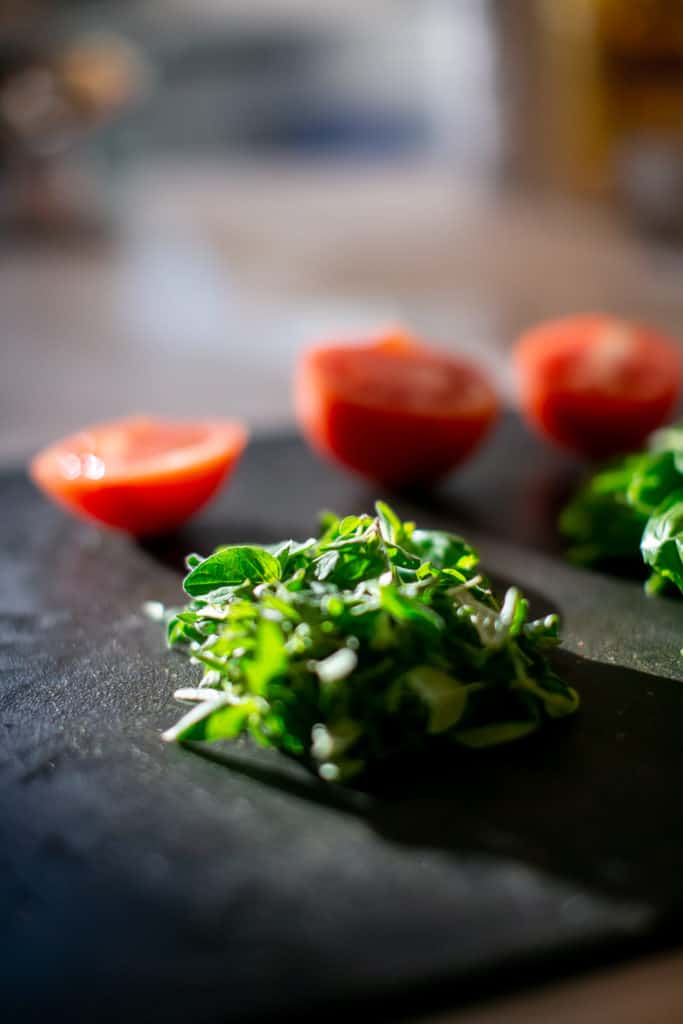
(367, 641)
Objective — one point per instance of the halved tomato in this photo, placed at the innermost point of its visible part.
(393, 409)
(140, 475)
(596, 384)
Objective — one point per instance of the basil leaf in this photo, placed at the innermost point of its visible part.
(600, 523)
(634, 507)
(662, 544)
(655, 477)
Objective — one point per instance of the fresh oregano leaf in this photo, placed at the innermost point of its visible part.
(230, 567)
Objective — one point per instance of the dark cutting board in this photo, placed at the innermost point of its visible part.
(145, 882)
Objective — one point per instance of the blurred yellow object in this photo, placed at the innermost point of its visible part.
(613, 88)
(101, 73)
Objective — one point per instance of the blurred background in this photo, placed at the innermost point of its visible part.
(190, 192)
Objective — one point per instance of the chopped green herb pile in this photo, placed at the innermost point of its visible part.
(632, 509)
(369, 640)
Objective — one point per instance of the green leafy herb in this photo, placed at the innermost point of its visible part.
(369, 640)
(632, 509)
(601, 523)
(231, 566)
(662, 543)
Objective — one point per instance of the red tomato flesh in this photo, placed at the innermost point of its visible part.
(140, 475)
(392, 409)
(596, 384)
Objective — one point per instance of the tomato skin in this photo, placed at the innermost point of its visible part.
(377, 434)
(143, 493)
(595, 384)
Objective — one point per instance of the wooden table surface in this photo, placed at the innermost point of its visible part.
(215, 276)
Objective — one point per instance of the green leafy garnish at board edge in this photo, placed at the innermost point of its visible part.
(632, 509)
(369, 640)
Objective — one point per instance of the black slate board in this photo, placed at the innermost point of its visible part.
(147, 882)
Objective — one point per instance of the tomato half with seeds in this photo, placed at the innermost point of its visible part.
(596, 384)
(140, 475)
(393, 409)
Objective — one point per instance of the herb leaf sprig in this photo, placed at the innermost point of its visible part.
(371, 639)
(632, 509)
